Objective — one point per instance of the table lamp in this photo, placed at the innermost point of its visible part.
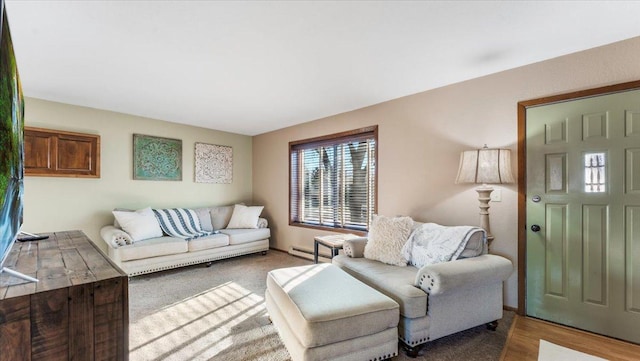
(485, 166)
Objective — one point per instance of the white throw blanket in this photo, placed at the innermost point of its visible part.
(180, 223)
(432, 243)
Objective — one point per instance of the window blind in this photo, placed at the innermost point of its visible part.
(333, 180)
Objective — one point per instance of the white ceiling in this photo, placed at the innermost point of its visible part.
(250, 67)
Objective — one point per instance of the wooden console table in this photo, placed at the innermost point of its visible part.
(79, 309)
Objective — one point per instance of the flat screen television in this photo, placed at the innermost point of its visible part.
(11, 146)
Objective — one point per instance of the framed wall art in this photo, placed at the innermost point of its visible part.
(213, 163)
(156, 158)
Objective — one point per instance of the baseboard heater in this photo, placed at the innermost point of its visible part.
(307, 254)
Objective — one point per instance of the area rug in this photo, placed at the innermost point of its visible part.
(218, 313)
(551, 352)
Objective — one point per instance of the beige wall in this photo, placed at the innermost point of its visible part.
(421, 137)
(53, 204)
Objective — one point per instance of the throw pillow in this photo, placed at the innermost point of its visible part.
(386, 237)
(245, 217)
(140, 225)
(115, 220)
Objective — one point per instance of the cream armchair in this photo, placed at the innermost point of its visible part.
(435, 300)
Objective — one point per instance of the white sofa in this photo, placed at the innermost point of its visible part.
(166, 252)
(439, 299)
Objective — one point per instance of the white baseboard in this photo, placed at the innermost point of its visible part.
(307, 254)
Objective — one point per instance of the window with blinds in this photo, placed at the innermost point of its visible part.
(333, 180)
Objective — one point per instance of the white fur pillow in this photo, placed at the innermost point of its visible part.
(387, 236)
(140, 225)
(245, 217)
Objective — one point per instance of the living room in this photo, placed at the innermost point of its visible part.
(420, 137)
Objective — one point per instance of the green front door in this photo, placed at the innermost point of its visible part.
(583, 214)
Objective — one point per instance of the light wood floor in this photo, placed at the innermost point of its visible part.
(525, 334)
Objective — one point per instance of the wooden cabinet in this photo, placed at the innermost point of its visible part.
(77, 311)
(55, 153)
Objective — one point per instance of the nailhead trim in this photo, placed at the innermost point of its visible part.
(415, 342)
(384, 357)
(432, 281)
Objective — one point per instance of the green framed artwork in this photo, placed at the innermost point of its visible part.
(157, 158)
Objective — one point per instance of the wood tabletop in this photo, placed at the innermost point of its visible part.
(65, 259)
(335, 240)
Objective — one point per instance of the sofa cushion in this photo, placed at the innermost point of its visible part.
(220, 217)
(240, 236)
(204, 215)
(140, 225)
(395, 282)
(386, 238)
(153, 247)
(208, 242)
(244, 217)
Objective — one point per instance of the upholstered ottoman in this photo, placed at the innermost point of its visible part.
(323, 313)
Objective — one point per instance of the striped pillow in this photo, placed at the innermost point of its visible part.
(180, 223)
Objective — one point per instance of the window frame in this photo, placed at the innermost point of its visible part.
(342, 137)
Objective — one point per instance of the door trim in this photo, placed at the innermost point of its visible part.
(522, 166)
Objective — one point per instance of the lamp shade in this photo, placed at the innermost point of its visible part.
(485, 166)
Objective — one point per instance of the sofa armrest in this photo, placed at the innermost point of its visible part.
(263, 223)
(115, 237)
(444, 277)
(354, 247)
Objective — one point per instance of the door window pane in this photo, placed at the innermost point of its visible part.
(594, 172)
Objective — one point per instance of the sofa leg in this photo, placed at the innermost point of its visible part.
(264, 253)
(209, 264)
(412, 351)
(492, 326)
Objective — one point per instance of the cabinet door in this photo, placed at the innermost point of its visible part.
(15, 329)
(53, 153)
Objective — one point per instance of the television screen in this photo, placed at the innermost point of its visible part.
(11, 142)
